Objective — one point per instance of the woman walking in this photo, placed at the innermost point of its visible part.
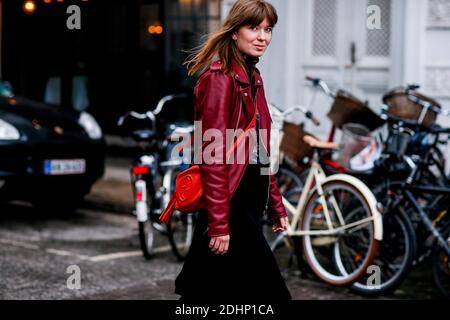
(229, 258)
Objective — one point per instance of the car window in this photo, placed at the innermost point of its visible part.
(80, 99)
(53, 91)
(5, 90)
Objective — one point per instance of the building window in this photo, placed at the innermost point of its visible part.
(378, 40)
(324, 28)
(188, 22)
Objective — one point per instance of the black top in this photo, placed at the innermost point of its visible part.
(250, 63)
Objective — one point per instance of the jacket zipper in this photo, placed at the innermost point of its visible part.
(265, 147)
(239, 116)
(258, 160)
(268, 197)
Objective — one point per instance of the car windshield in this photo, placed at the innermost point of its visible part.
(5, 90)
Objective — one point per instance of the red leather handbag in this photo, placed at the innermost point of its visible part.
(188, 185)
(188, 193)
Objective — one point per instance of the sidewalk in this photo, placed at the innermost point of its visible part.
(114, 191)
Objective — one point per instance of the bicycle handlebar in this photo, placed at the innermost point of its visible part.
(311, 117)
(411, 87)
(151, 115)
(308, 114)
(317, 82)
(133, 114)
(165, 99)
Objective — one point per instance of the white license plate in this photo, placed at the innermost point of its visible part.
(62, 167)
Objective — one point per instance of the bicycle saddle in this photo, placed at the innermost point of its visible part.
(315, 143)
(145, 135)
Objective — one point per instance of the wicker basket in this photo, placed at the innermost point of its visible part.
(292, 144)
(349, 109)
(400, 106)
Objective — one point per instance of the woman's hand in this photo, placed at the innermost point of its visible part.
(219, 245)
(280, 225)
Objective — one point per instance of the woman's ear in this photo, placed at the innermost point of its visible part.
(234, 36)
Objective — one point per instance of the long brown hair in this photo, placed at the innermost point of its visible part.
(243, 13)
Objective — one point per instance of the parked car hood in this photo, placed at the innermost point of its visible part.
(37, 113)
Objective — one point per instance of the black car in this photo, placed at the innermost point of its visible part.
(49, 155)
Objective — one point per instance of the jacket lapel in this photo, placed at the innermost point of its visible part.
(245, 90)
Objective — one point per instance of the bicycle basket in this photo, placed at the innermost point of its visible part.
(347, 108)
(358, 148)
(402, 107)
(292, 144)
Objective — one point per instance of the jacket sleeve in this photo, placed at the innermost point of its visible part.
(275, 200)
(213, 96)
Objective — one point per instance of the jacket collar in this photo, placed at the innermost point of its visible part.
(241, 76)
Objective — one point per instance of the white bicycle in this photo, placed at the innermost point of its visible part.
(153, 176)
(337, 219)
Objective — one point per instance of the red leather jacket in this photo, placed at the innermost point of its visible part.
(218, 105)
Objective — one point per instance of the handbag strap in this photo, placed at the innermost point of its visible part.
(167, 213)
(244, 134)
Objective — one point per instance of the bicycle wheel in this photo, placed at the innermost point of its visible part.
(394, 258)
(354, 247)
(146, 238)
(291, 186)
(180, 229)
(180, 232)
(285, 249)
(143, 209)
(441, 266)
(289, 182)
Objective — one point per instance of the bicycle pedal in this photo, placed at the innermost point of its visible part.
(158, 227)
(157, 212)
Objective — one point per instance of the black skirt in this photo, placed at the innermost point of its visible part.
(248, 271)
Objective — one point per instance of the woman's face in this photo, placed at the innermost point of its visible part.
(254, 40)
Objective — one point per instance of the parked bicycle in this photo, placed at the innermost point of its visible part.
(337, 218)
(411, 157)
(423, 205)
(153, 178)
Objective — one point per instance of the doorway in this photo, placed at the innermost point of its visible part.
(348, 43)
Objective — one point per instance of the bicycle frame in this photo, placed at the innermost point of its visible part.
(408, 192)
(317, 176)
(143, 179)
